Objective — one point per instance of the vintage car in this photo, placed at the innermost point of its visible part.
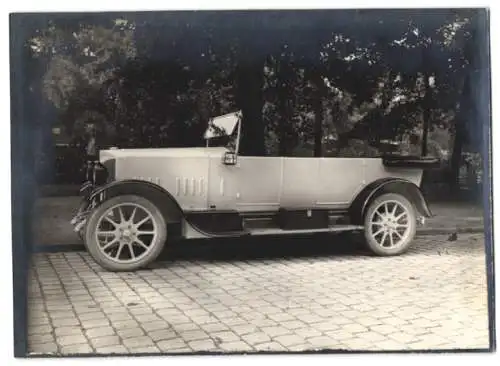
(136, 200)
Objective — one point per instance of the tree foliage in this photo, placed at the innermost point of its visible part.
(307, 89)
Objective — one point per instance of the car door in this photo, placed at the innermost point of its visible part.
(300, 182)
(252, 184)
(339, 180)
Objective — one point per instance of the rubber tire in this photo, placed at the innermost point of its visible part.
(105, 262)
(372, 245)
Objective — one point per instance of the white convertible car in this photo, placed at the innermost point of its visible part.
(136, 200)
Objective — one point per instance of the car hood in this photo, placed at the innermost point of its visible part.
(185, 152)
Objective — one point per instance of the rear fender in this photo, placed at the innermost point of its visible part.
(379, 187)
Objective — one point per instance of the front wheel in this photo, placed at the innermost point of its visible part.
(390, 225)
(125, 233)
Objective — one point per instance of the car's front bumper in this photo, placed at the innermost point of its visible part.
(80, 218)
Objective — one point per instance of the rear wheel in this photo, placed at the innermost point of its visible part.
(125, 233)
(390, 225)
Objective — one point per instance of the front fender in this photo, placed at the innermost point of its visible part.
(401, 186)
(167, 204)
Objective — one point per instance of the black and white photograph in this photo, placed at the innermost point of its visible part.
(251, 181)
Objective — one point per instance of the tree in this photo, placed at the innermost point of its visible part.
(81, 57)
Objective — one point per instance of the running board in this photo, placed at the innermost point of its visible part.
(257, 222)
(331, 229)
(191, 232)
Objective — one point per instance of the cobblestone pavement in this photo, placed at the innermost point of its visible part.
(434, 297)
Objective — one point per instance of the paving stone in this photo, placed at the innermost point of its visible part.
(147, 318)
(270, 347)
(322, 342)
(369, 337)
(403, 338)
(84, 309)
(307, 332)
(310, 318)
(261, 323)
(202, 345)
(62, 322)
(256, 338)
(224, 337)
(119, 317)
(276, 331)
(162, 334)
(237, 346)
(62, 313)
(293, 324)
(193, 335)
(41, 338)
(330, 325)
(130, 332)
(181, 350)
(390, 345)
(140, 341)
(384, 329)
(174, 320)
(301, 347)
(43, 348)
(34, 322)
(68, 331)
(105, 341)
(172, 345)
(242, 329)
(83, 348)
(231, 322)
(146, 349)
(100, 332)
(357, 344)
(94, 315)
(68, 340)
(39, 329)
(289, 340)
(124, 323)
(116, 349)
(155, 325)
(367, 321)
(95, 323)
(200, 320)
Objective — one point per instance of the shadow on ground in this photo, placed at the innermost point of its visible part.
(310, 246)
(264, 248)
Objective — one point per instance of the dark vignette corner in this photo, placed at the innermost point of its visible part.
(22, 185)
(483, 85)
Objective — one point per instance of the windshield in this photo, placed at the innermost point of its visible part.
(222, 131)
(222, 126)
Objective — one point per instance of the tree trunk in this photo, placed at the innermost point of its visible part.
(250, 82)
(460, 132)
(317, 105)
(426, 116)
(203, 112)
(318, 126)
(456, 156)
(283, 107)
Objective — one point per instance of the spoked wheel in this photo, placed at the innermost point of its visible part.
(125, 233)
(390, 225)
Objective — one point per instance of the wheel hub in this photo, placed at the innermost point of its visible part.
(127, 235)
(390, 224)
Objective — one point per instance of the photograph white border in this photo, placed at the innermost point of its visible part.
(6, 313)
